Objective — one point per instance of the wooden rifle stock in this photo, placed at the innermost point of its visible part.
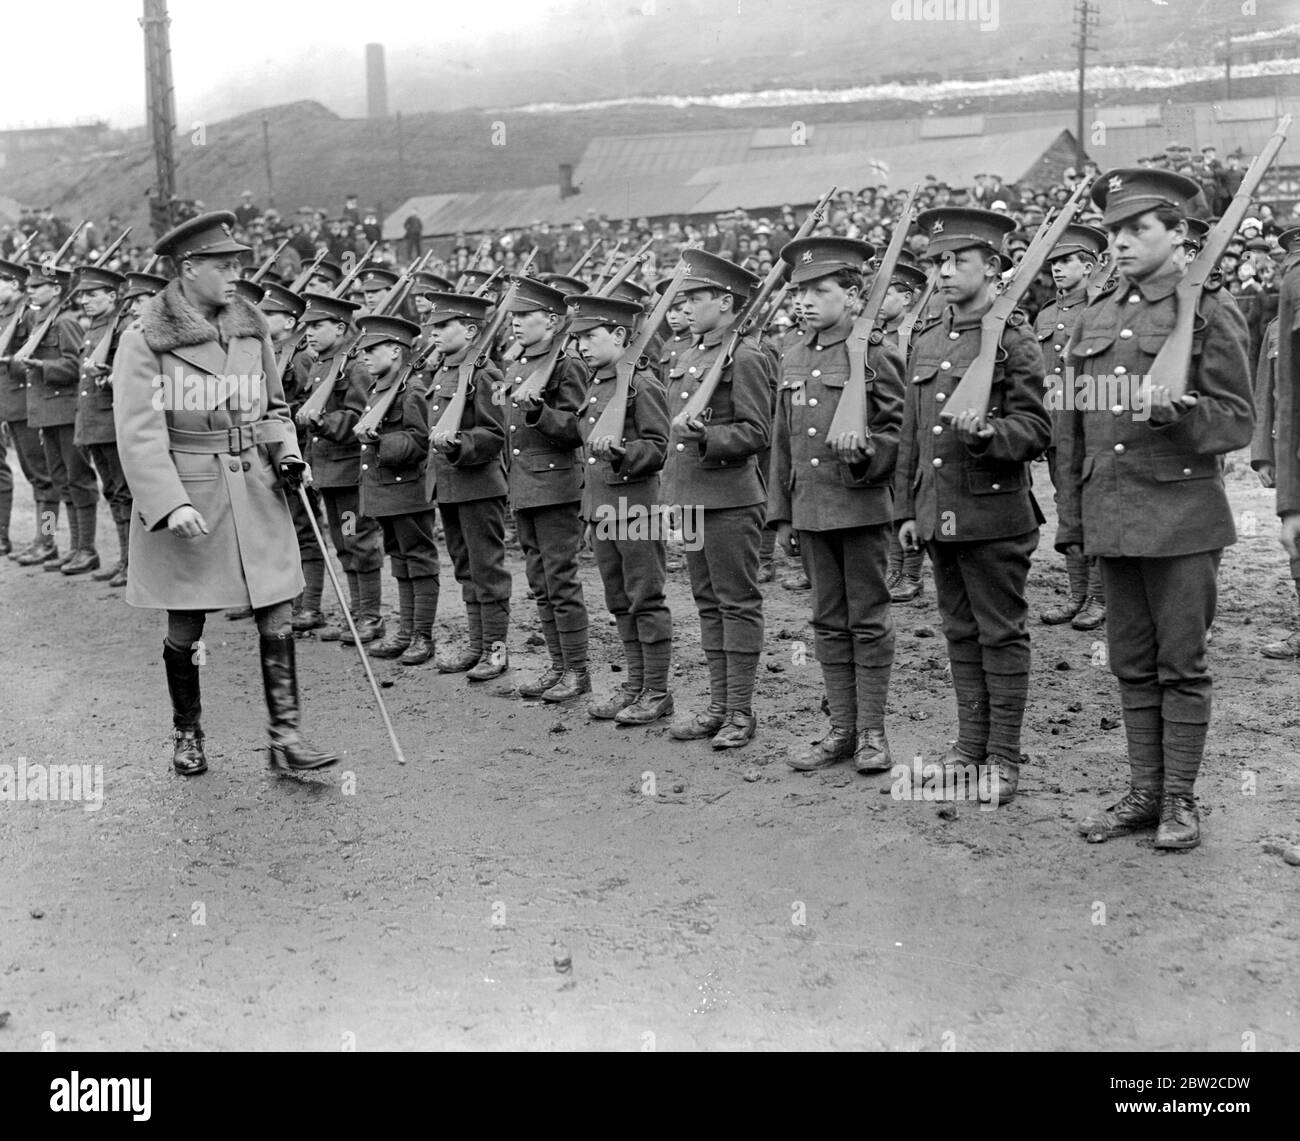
(11, 326)
(914, 314)
(974, 389)
(625, 271)
(848, 429)
(609, 424)
(1173, 361)
(745, 323)
(98, 361)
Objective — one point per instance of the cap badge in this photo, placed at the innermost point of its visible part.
(225, 229)
(937, 228)
(807, 256)
(1115, 183)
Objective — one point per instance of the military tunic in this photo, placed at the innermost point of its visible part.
(1149, 498)
(94, 432)
(13, 411)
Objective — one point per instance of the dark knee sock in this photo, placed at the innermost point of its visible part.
(741, 668)
(405, 606)
(1184, 748)
(841, 694)
(657, 657)
(424, 604)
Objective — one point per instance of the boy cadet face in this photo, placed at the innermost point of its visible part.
(676, 316)
(323, 335)
(1069, 271)
(41, 295)
(280, 324)
(212, 279)
(8, 290)
(97, 302)
(824, 301)
(1143, 246)
(897, 299)
(379, 360)
(601, 346)
(705, 309)
(964, 275)
(422, 304)
(529, 328)
(452, 336)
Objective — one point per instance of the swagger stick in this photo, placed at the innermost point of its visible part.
(352, 626)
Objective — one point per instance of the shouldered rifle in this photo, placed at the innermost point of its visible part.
(607, 268)
(476, 357)
(341, 290)
(607, 432)
(98, 365)
(625, 271)
(1170, 368)
(974, 389)
(24, 354)
(578, 266)
(20, 254)
(10, 327)
(849, 433)
(305, 276)
(745, 324)
(914, 314)
(103, 258)
(265, 267)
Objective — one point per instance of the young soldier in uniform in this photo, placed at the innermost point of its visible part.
(392, 488)
(834, 510)
(93, 431)
(26, 440)
(681, 340)
(712, 475)
(1072, 263)
(211, 527)
(904, 569)
(467, 477)
(1273, 451)
(545, 476)
(335, 458)
(1144, 491)
(964, 489)
(622, 506)
(373, 283)
(52, 375)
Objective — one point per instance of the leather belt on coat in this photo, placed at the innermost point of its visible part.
(233, 440)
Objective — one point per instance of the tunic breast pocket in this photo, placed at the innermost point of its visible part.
(409, 473)
(994, 481)
(549, 463)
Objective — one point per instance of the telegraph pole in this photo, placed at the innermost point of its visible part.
(160, 103)
(266, 156)
(1086, 16)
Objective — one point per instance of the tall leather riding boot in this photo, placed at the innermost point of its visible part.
(42, 548)
(108, 573)
(85, 558)
(188, 757)
(287, 749)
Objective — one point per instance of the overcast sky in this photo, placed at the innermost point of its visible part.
(70, 60)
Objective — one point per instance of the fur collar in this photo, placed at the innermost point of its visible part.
(169, 321)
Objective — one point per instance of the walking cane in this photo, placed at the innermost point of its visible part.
(347, 614)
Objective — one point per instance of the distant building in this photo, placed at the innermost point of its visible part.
(24, 147)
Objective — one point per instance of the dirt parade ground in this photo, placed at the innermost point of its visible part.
(534, 880)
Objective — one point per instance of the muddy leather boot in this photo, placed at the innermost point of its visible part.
(74, 543)
(188, 757)
(123, 566)
(288, 749)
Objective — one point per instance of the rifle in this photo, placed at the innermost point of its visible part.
(316, 402)
(578, 266)
(449, 422)
(973, 390)
(20, 254)
(638, 258)
(608, 267)
(341, 290)
(11, 326)
(102, 260)
(914, 314)
(609, 425)
(24, 354)
(745, 324)
(1169, 369)
(305, 276)
(849, 432)
(265, 267)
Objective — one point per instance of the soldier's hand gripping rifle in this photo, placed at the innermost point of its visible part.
(606, 435)
(974, 389)
(1173, 361)
(443, 434)
(849, 434)
(745, 324)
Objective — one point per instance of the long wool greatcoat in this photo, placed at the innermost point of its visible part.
(250, 554)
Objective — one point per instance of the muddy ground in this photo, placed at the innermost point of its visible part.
(517, 885)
